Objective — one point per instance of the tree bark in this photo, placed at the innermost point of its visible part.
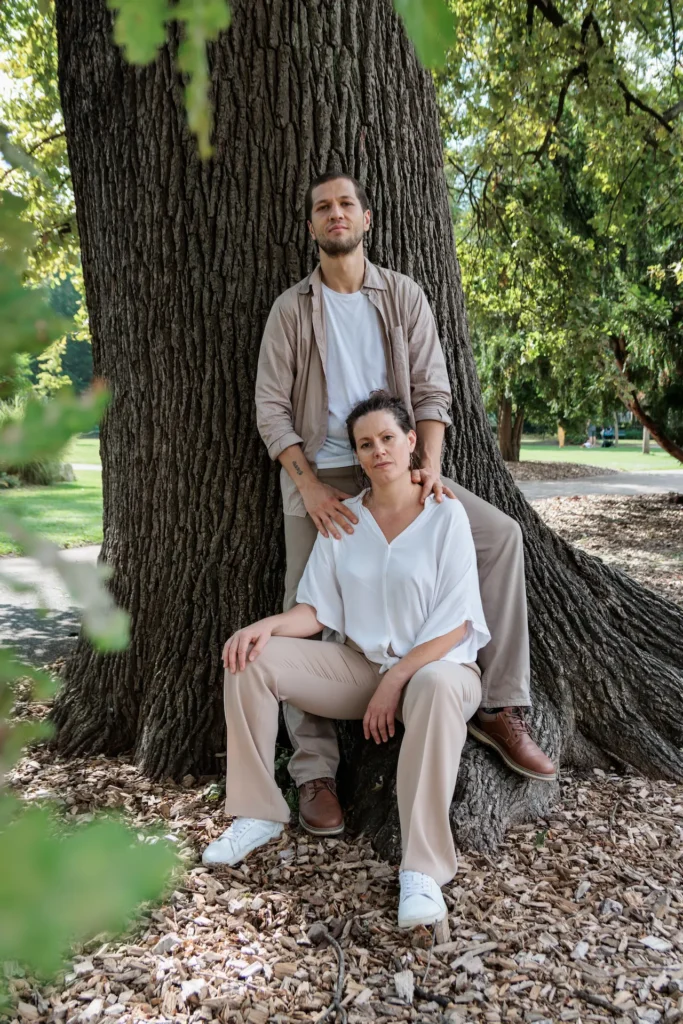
(517, 433)
(181, 264)
(505, 428)
(646, 441)
(509, 430)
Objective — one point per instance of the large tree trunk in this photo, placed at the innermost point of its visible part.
(181, 264)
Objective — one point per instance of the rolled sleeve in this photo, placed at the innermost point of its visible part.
(274, 382)
(456, 600)
(279, 444)
(319, 587)
(429, 386)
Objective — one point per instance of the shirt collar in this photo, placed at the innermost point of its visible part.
(373, 279)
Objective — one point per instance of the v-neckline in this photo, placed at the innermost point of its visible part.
(375, 525)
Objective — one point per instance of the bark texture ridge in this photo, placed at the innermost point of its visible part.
(182, 262)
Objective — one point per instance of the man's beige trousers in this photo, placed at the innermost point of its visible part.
(331, 680)
(504, 661)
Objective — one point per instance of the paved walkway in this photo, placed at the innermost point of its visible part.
(87, 465)
(41, 639)
(618, 483)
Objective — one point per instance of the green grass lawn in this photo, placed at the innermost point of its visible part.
(84, 449)
(67, 514)
(627, 455)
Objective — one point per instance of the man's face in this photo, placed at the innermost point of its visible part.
(338, 221)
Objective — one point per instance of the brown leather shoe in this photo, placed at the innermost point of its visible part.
(508, 733)
(319, 810)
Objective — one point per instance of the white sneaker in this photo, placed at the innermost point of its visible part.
(243, 836)
(421, 900)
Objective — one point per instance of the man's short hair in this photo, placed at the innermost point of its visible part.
(361, 194)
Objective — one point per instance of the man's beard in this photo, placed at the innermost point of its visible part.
(341, 246)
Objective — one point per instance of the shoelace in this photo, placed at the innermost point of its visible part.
(415, 882)
(317, 784)
(517, 721)
(238, 828)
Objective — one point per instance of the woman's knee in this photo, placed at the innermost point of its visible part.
(264, 666)
(456, 686)
(431, 683)
(430, 677)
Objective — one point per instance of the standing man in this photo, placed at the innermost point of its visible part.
(345, 330)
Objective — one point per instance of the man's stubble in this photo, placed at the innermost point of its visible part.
(341, 246)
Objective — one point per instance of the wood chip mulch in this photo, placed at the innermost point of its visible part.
(640, 534)
(529, 470)
(577, 917)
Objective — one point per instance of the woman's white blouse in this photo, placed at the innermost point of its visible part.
(389, 598)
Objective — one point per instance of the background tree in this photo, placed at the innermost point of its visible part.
(32, 123)
(182, 261)
(563, 128)
(529, 364)
(76, 361)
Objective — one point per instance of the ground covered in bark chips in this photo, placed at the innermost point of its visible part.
(577, 917)
(555, 470)
(641, 534)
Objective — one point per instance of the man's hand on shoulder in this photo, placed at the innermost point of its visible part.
(431, 483)
(325, 505)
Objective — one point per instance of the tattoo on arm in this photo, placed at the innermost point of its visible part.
(298, 469)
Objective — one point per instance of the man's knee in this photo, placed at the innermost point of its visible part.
(511, 531)
(503, 537)
(492, 529)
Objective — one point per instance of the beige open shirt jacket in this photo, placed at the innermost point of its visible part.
(291, 389)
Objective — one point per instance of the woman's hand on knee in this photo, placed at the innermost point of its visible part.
(378, 722)
(236, 651)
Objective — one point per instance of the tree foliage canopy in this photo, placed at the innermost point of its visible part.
(562, 126)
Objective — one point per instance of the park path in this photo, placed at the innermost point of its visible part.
(42, 640)
(650, 482)
(39, 639)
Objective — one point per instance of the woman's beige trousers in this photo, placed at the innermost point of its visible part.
(332, 680)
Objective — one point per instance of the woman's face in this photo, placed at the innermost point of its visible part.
(383, 449)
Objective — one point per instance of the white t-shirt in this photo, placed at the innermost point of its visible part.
(389, 598)
(356, 365)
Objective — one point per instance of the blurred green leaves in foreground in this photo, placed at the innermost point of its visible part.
(140, 30)
(431, 25)
(59, 885)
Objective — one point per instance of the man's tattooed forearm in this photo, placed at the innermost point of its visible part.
(300, 471)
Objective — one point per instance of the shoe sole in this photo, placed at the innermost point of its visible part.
(243, 856)
(526, 772)
(426, 921)
(336, 830)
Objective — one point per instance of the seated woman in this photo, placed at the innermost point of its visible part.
(402, 595)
